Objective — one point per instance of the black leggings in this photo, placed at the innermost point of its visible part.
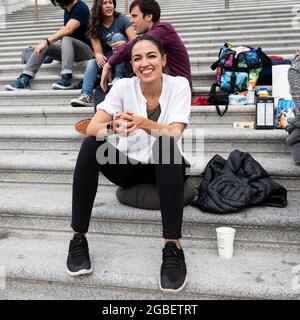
(169, 179)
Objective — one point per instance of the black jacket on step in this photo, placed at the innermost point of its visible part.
(236, 183)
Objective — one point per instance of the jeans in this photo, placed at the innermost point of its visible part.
(169, 179)
(93, 70)
(119, 68)
(67, 51)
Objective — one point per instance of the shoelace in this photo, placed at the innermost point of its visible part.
(85, 98)
(23, 81)
(79, 249)
(171, 258)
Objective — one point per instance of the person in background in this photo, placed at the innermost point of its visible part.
(73, 46)
(294, 82)
(145, 19)
(108, 30)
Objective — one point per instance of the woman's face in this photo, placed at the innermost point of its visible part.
(108, 8)
(147, 61)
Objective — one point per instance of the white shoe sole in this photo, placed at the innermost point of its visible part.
(75, 103)
(173, 290)
(11, 88)
(56, 86)
(80, 272)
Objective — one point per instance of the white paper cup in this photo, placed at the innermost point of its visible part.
(225, 236)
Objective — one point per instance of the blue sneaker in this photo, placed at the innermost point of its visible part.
(64, 83)
(22, 83)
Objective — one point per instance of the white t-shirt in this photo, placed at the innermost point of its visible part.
(126, 95)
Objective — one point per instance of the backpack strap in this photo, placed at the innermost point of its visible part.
(263, 57)
(232, 82)
(213, 94)
(215, 65)
(219, 112)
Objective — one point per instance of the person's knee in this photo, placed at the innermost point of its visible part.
(89, 142)
(67, 41)
(118, 37)
(90, 146)
(92, 64)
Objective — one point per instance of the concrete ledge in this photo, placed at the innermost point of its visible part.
(255, 272)
(46, 138)
(46, 207)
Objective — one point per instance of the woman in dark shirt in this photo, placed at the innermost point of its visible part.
(108, 30)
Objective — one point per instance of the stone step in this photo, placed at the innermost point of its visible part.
(64, 138)
(53, 97)
(198, 64)
(62, 97)
(272, 16)
(45, 207)
(185, 23)
(213, 39)
(193, 53)
(167, 10)
(196, 53)
(38, 97)
(201, 116)
(245, 276)
(251, 39)
(43, 81)
(200, 30)
(197, 49)
(55, 167)
(43, 115)
(14, 70)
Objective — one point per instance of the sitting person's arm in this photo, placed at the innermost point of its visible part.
(98, 52)
(68, 29)
(151, 127)
(98, 125)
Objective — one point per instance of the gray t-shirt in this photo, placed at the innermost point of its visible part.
(119, 25)
(153, 114)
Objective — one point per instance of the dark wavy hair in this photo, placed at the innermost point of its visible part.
(147, 7)
(61, 3)
(156, 42)
(96, 18)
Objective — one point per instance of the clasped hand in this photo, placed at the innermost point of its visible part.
(126, 123)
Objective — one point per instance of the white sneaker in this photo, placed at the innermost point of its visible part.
(83, 101)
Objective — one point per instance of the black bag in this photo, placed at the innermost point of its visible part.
(218, 98)
(27, 53)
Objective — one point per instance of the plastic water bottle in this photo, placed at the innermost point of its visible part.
(250, 95)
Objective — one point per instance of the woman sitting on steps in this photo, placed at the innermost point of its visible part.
(149, 112)
(107, 30)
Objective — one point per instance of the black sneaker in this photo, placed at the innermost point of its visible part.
(173, 269)
(78, 261)
(64, 83)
